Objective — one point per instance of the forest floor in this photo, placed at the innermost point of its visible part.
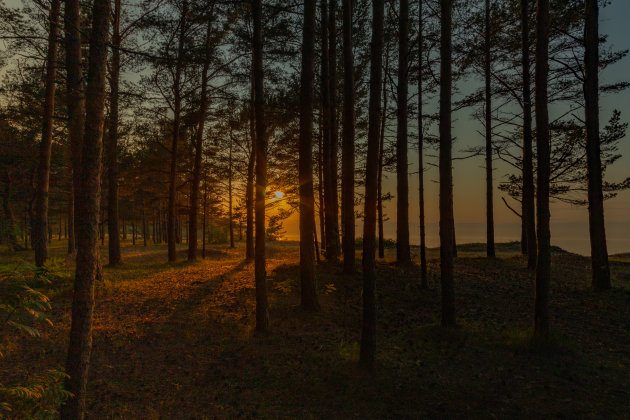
(177, 341)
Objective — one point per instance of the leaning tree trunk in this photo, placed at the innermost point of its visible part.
(88, 209)
(347, 164)
(447, 233)
(196, 178)
(543, 267)
(111, 149)
(599, 250)
(40, 218)
(403, 254)
(490, 252)
(177, 104)
(423, 247)
(305, 163)
(262, 315)
(368, 333)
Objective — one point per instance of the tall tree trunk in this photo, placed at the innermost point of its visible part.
(262, 315)
(423, 247)
(111, 149)
(333, 203)
(203, 233)
(196, 178)
(230, 213)
(490, 252)
(347, 164)
(71, 234)
(447, 231)
(88, 210)
(177, 104)
(528, 200)
(381, 153)
(368, 333)
(10, 236)
(305, 163)
(320, 182)
(332, 251)
(599, 249)
(40, 218)
(403, 254)
(543, 267)
(249, 188)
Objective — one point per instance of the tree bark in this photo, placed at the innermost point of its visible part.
(196, 178)
(368, 333)
(528, 200)
(249, 188)
(230, 213)
(112, 144)
(88, 210)
(543, 266)
(423, 247)
(177, 103)
(309, 299)
(381, 153)
(40, 218)
(490, 251)
(262, 315)
(403, 253)
(447, 232)
(597, 228)
(347, 164)
(10, 236)
(320, 182)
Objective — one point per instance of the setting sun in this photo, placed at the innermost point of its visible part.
(278, 195)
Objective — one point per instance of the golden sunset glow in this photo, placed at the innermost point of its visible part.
(278, 195)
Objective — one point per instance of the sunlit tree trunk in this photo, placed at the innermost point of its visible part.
(40, 217)
(262, 316)
(368, 333)
(403, 255)
(447, 233)
(111, 149)
(599, 249)
(490, 252)
(203, 233)
(177, 103)
(347, 164)
(249, 188)
(543, 266)
(196, 178)
(88, 210)
(423, 247)
(230, 210)
(320, 183)
(305, 163)
(528, 200)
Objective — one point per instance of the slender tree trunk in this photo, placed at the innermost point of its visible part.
(262, 315)
(347, 164)
(196, 178)
(230, 214)
(203, 233)
(332, 206)
(381, 153)
(403, 253)
(543, 267)
(368, 334)
(249, 189)
(423, 247)
(599, 249)
(10, 236)
(88, 210)
(40, 218)
(71, 234)
(490, 252)
(528, 201)
(111, 149)
(320, 183)
(305, 163)
(447, 233)
(177, 103)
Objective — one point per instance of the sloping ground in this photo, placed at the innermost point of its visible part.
(176, 341)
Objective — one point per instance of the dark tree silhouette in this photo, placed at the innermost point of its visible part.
(488, 115)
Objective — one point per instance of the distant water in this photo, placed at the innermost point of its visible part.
(570, 236)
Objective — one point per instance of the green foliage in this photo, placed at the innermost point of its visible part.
(23, 306)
